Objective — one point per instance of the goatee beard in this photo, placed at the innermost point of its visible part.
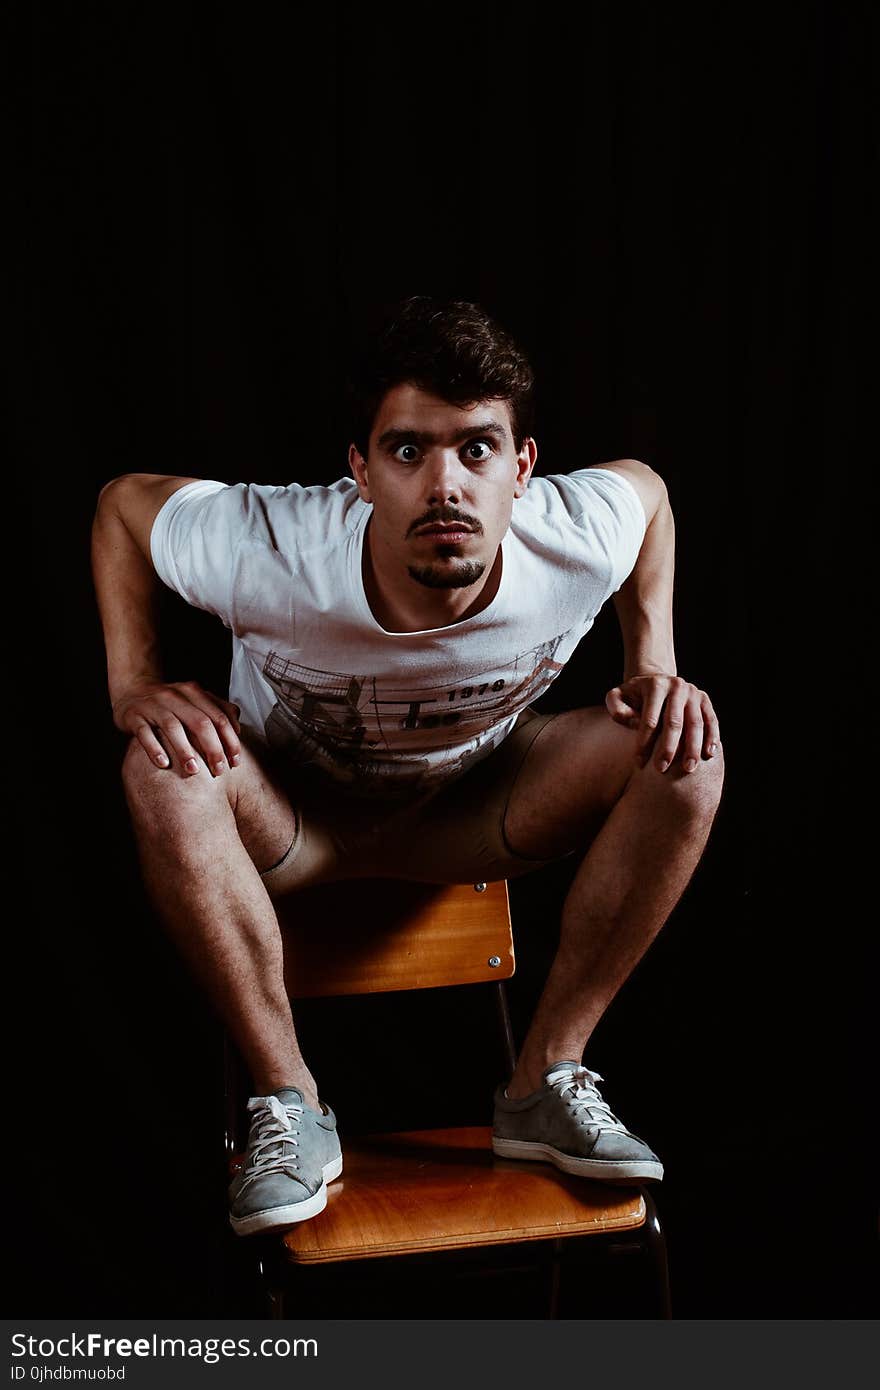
(437, 577)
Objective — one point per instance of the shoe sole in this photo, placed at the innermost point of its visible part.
(275, 1217)
(641, 1169)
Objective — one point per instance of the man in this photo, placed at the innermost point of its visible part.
(390, 636)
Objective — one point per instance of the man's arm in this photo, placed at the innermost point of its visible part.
(673, 716)
(186, 718)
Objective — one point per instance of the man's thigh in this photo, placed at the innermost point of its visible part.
(575, 772)
(176, 804)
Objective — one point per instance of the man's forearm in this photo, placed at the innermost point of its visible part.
(644, 602)
(127, 590)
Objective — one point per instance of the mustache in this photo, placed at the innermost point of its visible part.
(446, 515)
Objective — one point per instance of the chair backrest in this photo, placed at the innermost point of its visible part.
(368, 936)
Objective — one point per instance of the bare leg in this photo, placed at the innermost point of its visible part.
(203, 842)
(648, 831)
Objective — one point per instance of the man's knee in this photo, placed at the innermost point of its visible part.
(165, 792)
(692, 795)
(137, 768)
(168, 805)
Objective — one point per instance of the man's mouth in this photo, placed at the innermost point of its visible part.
(449, 531)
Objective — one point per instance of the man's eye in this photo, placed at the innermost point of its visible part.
(477, 450)
(407, 453)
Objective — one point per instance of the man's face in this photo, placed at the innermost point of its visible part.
(442, 480)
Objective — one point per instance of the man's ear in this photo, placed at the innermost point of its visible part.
(358, 465)
(526, 459)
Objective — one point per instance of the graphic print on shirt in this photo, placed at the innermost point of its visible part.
(369, 729)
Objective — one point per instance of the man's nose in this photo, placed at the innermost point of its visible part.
(443, 480)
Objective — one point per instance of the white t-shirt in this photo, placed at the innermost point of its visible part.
(319, 679)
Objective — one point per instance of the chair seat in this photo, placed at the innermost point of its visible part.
(439, 1189)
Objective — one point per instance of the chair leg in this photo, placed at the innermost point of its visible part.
(505, 1027)
(265, 1267)
(274, 1295)
(555, 1279)
(655, 1242)
(234, 1087)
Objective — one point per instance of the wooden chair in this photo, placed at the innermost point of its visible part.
(425, 1196)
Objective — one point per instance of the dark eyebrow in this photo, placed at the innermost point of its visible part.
(397, 436)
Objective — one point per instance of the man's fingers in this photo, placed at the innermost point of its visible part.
(151, 745)
(211, 729)
(620, 710)
(650, 723)
(676, 723)
(191, 722)
(711, 730)
(697, 733)
(162, 733)
(229, 729)
(164, 740)
(691, 744)
(234, 712)
(670, 732)
(204, 735)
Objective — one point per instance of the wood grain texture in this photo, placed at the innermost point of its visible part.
(444, 1189)
(369, 936)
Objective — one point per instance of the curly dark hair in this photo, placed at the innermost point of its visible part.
(449, 347)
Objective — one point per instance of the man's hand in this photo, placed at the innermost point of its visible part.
(189, 721)
(673, 718)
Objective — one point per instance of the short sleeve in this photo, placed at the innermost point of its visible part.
(194, 543)
(608, 511)
(242, 550)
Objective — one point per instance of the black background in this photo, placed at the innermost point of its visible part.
(670, 212)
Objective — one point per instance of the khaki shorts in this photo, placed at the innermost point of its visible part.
(454, 836)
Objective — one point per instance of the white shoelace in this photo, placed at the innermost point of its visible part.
(577, 1088)
(276, 1127)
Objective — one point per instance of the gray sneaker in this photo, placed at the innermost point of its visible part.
(568, 1123)
(292, 1153)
